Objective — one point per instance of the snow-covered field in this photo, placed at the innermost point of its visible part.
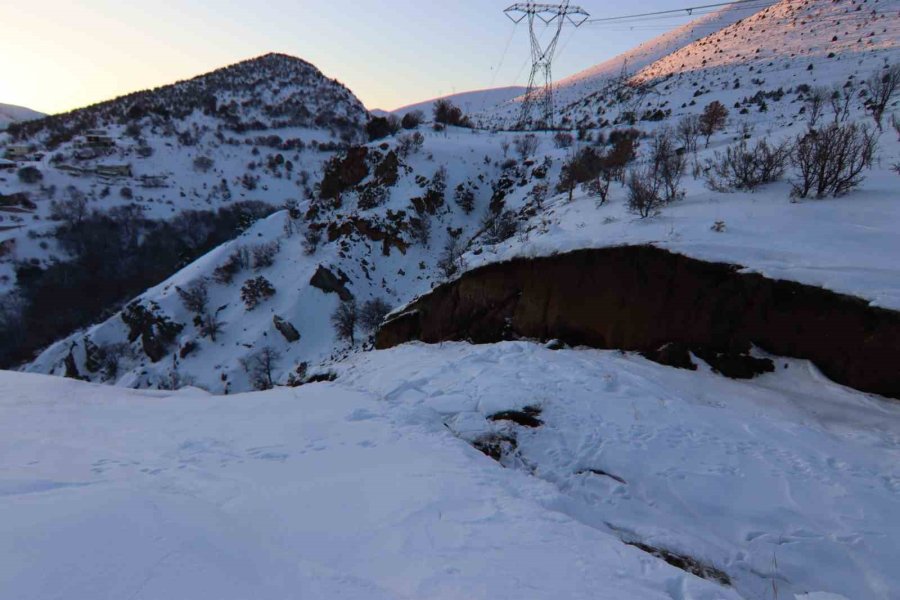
(367, 488)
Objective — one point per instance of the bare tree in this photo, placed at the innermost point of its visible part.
(345, 319)
(451, 262)
(372, 314)
(688, 132)
(712, 119)
(882, 87)
(840, 101)
(209, 326)
(667, 164)
(260, 367)
(815, 105)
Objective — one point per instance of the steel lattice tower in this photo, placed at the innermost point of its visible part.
(555, 15)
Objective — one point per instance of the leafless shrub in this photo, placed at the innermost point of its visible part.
(840, 101)
(830, 161)
(644, 198)
(742, 167)
(667, 164)
(236, 262)
(264, 255)
(195, 296)
(255, 291)
(815, 105)
(526, 145)
(451, 261)
(209, 326)
(563, 139)
(499, 226)
(410, 143)
(881, 88)
(311, 238)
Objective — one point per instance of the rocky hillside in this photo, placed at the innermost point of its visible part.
(148, 182)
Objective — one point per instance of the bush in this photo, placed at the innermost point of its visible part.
(743, 167)
(30, 175)
(499, 226)
(195, 297)
(563, 139)
(373, 313)
(451, 261)
(381, 127)
(203, 164)
(345, 319)
(264, 255)
(410, 143)
(465, 197)
(830, 161)
(526, 145)
(255, 291)
(412, 120)
(644, 197)
(446, 113)
(236, 262)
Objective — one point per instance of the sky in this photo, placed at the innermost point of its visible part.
(64, 54)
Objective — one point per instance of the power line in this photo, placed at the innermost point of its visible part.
(689, 10)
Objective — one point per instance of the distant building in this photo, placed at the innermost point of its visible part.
(6, 164)
(96, 138)
(114, 170)
(18, 152)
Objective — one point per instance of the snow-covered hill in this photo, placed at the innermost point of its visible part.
(253, 134)
(369, 487)
(470, 102)
(10, 113)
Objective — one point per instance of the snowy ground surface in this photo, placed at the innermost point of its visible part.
(367, 487)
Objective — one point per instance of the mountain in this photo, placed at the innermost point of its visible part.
(11, 114)
(181, 169)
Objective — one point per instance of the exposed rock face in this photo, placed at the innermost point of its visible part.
(641, 298)
(289, 332)
(330, 283)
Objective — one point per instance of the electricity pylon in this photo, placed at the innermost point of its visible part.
(556, 16)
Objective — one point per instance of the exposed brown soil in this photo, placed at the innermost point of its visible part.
(641, 298)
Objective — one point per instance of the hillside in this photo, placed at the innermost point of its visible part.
(652, 355)
(180, 169)
(470, 102)
(12, 114)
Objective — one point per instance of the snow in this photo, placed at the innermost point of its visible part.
(470, 102)
(367, 487)
(10, 113)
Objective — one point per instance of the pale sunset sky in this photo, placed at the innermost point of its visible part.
(63, 54)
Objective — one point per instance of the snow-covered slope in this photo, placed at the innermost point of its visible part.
(255, 132)
(470, 102)
(10, 113)
(591, 80)
(368, 487)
